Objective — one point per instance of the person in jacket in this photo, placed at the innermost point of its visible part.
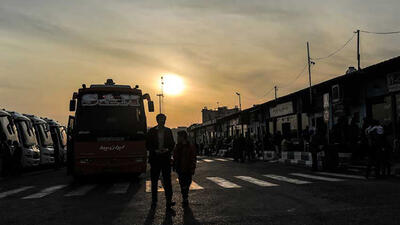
(160, 144)
(184, 164)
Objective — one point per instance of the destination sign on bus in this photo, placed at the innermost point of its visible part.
(110, 100)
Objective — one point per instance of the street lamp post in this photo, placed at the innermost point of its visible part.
(161, 95)
(240, 101)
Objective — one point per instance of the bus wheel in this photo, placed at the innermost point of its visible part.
(2, 171)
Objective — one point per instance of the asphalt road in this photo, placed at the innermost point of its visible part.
(226, 193)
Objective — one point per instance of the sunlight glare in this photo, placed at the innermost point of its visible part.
(173, 84)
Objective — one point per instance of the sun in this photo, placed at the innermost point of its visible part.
(173, 84)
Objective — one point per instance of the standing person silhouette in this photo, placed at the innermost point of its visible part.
(184, 164)
(160, 143)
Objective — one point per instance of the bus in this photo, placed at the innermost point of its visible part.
(108, 131)
(59, 136)
(44, 139)
(9, 144)
(30, 151)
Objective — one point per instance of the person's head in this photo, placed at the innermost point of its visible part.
(161, 118)
(182, 137)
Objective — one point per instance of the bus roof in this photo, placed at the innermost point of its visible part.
(19, 117)
(110, 86)
(52, 122)
(4, 113)
(35, 119)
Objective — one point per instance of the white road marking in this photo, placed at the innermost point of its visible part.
(230, 159)
(223, 183)
(193, 186)
(148, 186)
(342, 175)
(45, 192)
(80, 191)
(222, 160)
(256, 181)
(286, 179)
(119, 188)
(316, 177)
(14, 191)
(208, 160)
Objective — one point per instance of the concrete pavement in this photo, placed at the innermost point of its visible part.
(224, 192)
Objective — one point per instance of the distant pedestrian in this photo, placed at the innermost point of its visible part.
(249, 149)
(277, 141)
(184, 164)
(317, 144)
(160, 143)
(375, 135)
(306, 138)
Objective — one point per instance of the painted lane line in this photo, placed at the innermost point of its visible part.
(230, 159)
(316, 177)
(193, 186)
(342, 175)
(208, 160)
(14, 191)
(45, 192)
(148, 186)
(256, 181)
(286, 179)
(222, 160)
(223, 183)
(80, 191)
(119, 188)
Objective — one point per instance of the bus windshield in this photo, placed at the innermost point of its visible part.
(110, 121)
(63, 134)
(44, 134)
(8, 128)
(28, 133)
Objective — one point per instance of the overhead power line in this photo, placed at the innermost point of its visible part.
(297, 77)
(336, 51)
(371, 32)
(261, 97)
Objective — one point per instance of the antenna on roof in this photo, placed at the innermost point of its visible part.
(109, 82)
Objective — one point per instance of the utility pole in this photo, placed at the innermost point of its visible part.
(276, 92)
(240, 101)
(161, 96)
(309, 70)
(358, 49)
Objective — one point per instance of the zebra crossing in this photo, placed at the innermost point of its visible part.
(209, 160)
(212, 182)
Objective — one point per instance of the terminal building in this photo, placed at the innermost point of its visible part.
(349, 99)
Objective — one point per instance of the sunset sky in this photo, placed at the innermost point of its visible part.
(48, 48)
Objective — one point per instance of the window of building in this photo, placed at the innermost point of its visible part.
(335, 93)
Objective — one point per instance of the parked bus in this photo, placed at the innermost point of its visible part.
(107, 133)
(9, 144)
(42, 131)
(59, 136)
(30, 153)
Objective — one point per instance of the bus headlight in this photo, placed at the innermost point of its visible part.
(139, 160)
(83, 161)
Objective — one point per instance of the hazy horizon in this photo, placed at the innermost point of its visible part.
(49, 48)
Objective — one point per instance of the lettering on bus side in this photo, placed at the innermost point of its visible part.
(112, 148)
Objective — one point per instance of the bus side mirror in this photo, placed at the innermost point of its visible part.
(151, 106)
(72, 104)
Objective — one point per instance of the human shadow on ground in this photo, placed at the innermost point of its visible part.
(188, 217)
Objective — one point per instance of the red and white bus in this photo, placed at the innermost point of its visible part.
(107, 133)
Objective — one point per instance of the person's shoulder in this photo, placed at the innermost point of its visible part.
(152, 129)
(168, 129)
